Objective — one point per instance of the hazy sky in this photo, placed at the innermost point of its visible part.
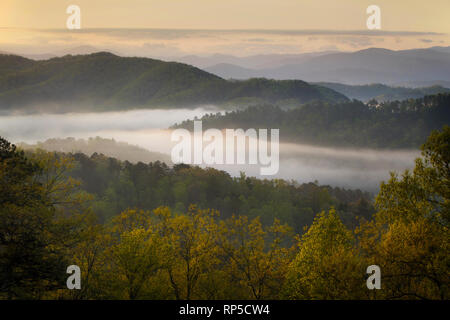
(427, 22)
(405, 15)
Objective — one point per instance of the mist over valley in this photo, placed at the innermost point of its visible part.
(350, 168)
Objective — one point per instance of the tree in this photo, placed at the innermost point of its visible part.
(409, 236)
(133, 260)
(327, 265)
(254, 257)
(189, 248)
(35, 232)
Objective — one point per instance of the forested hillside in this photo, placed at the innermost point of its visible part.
(120, 185)
(109, 147)
(396, 124)
(103, 81)
(49, 219)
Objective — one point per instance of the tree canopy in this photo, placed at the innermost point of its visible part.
(168, 251)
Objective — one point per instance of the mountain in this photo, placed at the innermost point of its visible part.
(232, 71)
(442, 49)
(421, 84)
(260, 61)
(85, 49)
(11, 63)
(381, 92)
(373, 65)
(104, 81)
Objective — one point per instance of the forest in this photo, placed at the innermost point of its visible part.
(384, 125)
(150, 231)
(105, 82)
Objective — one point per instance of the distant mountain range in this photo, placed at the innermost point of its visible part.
(408, 68)
(423, 84)
(381, 92)
(104, 81)
(261, 61)
(367, 66)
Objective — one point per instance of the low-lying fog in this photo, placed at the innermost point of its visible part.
(147, 128)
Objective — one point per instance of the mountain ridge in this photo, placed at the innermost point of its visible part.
(110, 82)
(372, 65)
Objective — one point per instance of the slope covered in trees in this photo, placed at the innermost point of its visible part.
(46, 224)
(108, 147)
(118, 185)
(396, 124)
(103, 81)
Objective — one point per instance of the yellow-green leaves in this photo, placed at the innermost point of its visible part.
(327, 265)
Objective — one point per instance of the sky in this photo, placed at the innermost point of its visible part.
(318, 25)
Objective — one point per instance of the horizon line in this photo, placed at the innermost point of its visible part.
(238, 30)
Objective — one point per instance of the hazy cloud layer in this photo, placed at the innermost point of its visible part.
(147, 128)
(166, 43)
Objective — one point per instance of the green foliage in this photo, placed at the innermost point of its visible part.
(35, 231)
(254, 256)
(120, 185)
(103, 81)
(327, 266)
(196, 253)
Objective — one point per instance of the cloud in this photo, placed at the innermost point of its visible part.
(177, 42)
(257, 40)
(329, 48)
(182, 33)
(355, 42)
(159, 49)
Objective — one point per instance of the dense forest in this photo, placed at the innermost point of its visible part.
(148, 231)
(395, 124)
(104, 81)
(118, 185)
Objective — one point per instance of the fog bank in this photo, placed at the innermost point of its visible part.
(350, 168)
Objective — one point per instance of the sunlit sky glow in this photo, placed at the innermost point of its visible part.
(405, 24)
